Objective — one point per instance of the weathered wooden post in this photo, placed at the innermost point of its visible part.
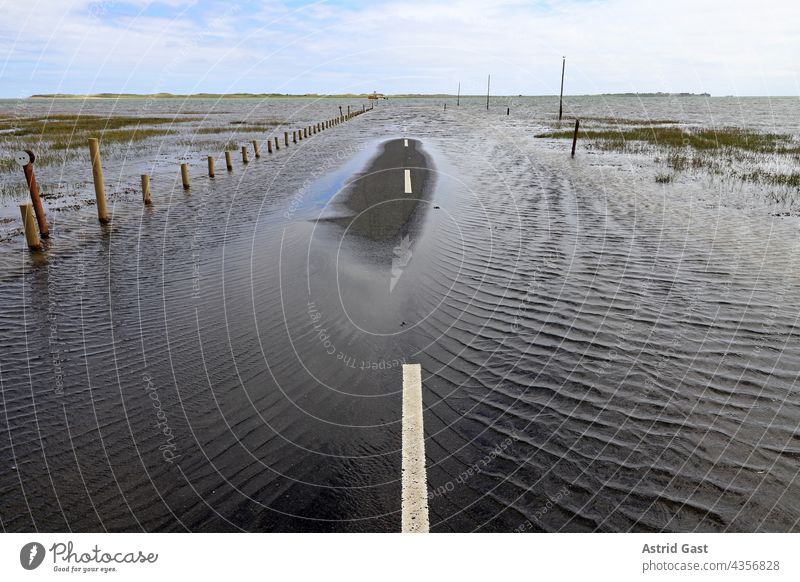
(228, 161)
(244, 155)
(210, 166)
(29, 225)
(294, 136)
(256, 149)
(286, 138)
(488, 85)
(508, 110)
(561, 96)
(99, 184)
(277, 145)
(26, 159)
(348, 110)
(340, 111)
(146, 190)
(185, 176)
(575, 136)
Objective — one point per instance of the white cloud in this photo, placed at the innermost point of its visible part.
(736, 47)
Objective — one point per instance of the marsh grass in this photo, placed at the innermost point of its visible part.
(50, 136)
(677, 137)
(113, 136)
(210, 145)
(624, 121)
(55, 127)
(767, 159)
(236, 129)
(773, 179)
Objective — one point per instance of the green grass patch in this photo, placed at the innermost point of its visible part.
(663, 178)
(110, 137)
(55, 126)
(676, 137)
(625, 121)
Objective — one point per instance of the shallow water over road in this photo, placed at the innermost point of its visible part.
(599, 352)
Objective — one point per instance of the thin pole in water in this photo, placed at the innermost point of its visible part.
(458, 98)
(575, 136)
(561, 96)
(488, 84)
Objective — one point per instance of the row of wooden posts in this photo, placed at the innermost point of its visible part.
(33, 212)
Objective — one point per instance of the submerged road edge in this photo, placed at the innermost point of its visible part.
(414, 496)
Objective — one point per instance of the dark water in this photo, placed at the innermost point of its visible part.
(599, 353)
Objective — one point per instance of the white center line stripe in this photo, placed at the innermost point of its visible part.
(405, 142)
(408, 181)
(414, 496)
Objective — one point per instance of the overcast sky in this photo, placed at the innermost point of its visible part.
(738, 47)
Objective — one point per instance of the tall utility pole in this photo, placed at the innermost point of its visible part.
(458, 99)
(561, 97)
(488, 84)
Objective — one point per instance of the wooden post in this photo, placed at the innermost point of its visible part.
(185, 176)
(286, 138)
(27, 158)
(508, 110)
(294, 136)
(445, 106)
(228, 162)
(561, 96)
(210, 166)
(244, 155)
(277, 145)
(269, 146)
(99, 184)
(299, 135)
(458, 97)
(256, 150)
(348, 110)
(575, 136)
(29, 224)
(146, 190)
(488, 85)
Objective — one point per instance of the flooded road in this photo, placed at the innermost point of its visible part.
(598, 352)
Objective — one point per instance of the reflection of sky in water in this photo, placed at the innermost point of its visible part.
(323, 190)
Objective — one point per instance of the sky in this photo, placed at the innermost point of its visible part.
(736, 47)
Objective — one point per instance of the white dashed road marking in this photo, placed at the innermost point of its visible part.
(414, 496)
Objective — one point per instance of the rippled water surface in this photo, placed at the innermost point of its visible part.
(599, 352)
